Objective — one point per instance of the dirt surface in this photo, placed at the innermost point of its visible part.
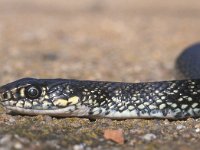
(115, 40)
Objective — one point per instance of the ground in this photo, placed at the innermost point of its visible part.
(129, 41)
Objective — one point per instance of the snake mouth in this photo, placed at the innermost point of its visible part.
(69, 111)
(26, 111)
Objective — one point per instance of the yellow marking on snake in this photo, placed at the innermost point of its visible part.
(44, 92)
(22, 92)
(60, 102)
(46, 97)
(73, 100)
(64, 102)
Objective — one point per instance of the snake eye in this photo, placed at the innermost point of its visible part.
(33, 92)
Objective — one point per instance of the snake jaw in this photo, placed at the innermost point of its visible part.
(57, 112)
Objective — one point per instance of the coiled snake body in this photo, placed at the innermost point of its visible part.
(93, 99)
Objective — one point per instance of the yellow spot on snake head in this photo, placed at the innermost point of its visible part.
(64, 102)
(22, 92)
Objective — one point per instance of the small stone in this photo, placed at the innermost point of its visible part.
(12, 120)
(6, 139)
(149, 137)
(47, 118)
(197, 125)
(137, 131)
(21, 139)
(180, 126)
(18, 145)
(76, 125)
(166, 122)
(197, 130)
(78, 147)
(53, 144)
(114, 135)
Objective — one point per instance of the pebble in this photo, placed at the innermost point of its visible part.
(166, 122)
(6, 139)
(12, 120)
(53, 143)
(18, 145)
(114, 135)
(149, 137)
(76, 125)
(180, 126)
(197, 125)
(197, 130)
(47, 118)
(78, 147)
(22, 139)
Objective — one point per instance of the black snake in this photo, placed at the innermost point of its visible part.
(96, 99)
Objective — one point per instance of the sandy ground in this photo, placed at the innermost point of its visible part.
(127, 40)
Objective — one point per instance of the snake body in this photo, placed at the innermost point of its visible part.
(97, 99)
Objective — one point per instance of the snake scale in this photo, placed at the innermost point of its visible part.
(175, 99)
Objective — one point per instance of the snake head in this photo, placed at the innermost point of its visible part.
(36, 96)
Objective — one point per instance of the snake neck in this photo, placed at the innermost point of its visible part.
(168, 99)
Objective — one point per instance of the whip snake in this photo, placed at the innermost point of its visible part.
(97, 99)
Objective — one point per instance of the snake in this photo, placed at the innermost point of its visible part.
(173, 99)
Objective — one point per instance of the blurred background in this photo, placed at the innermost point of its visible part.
(115, 40)
(127, 40)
